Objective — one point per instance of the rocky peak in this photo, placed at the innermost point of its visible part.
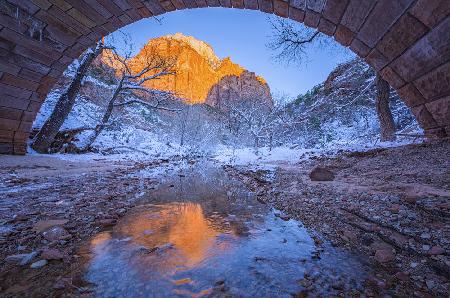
(201, 47)
(197, 67)
(244, 87)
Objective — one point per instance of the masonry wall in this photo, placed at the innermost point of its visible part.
(408, 41)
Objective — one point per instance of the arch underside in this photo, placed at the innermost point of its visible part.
(407, 41)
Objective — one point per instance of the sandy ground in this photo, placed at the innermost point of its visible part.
(390, 204)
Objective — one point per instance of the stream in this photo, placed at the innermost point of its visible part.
(202, 234)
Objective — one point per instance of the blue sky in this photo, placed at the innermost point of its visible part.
(242, 35)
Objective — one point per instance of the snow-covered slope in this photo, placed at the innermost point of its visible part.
(341, 111)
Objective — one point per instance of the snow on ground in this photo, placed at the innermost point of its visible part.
(131, 137)
(265, 157)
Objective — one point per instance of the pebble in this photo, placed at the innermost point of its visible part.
(38, 264)
(430, 284)
(384, 255)
(403, 276)
(436, 250)
(51, 254)
(425, 236)
(56, 233)
(22, 259)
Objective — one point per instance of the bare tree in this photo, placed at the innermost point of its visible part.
(387, 125)
(255, 118)
(46, 135)
(291, 41)
(131, 87)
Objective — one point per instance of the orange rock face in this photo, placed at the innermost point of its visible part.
(197, 68)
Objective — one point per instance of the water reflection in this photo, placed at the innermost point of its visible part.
(204, 235)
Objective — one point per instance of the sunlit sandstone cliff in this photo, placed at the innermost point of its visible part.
(197, 67)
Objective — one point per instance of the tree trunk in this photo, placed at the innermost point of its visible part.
(109, 109)
(64, 105)
(387, 125)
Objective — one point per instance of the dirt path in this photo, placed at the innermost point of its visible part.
(390, 204)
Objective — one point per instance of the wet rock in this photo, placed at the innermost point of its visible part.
(106, 222)
(425, 236)
(321, 174)
(39, 264)
(61, 283)
(44, 225)
(21, 259)
(430, 284)
(436, 250)
(51, 254)
(395, 208)
(56, 233)
(384, 255)
(403, 276)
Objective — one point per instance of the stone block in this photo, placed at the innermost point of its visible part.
(30, 75)
(266, 6)
(360, 48)
(20, 148)
(19, 82)
(10, 113)
(381, 18)
(436, 133)
(431, 12)
(25, 126)
(411, 96)
(326, 27)
(376, 60)
(156, 8)
(334, 10)
(440, 110)
(436, 83)
(298, 4)
(168, 6)
(9, 101)
(28, 116)
(9, 124)
(21, 137)
(193, 4)
(281, 8)
(68, 20)
(6, 136)
(401, 36)
(344, 35)
(424, 117)
(312, 18)
(429, 52)
(315, 5)
(179, 4)
(14, 91)
(6, 148)
(356, 13)
(296, 14)
(392, 78)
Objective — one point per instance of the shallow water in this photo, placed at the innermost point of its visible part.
(202, 234)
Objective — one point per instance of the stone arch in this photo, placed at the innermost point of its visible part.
(407, 41)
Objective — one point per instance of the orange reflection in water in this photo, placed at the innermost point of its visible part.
(184, 225)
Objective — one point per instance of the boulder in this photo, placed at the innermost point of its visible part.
(321, 174)
(56, 233)
(43, 225)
